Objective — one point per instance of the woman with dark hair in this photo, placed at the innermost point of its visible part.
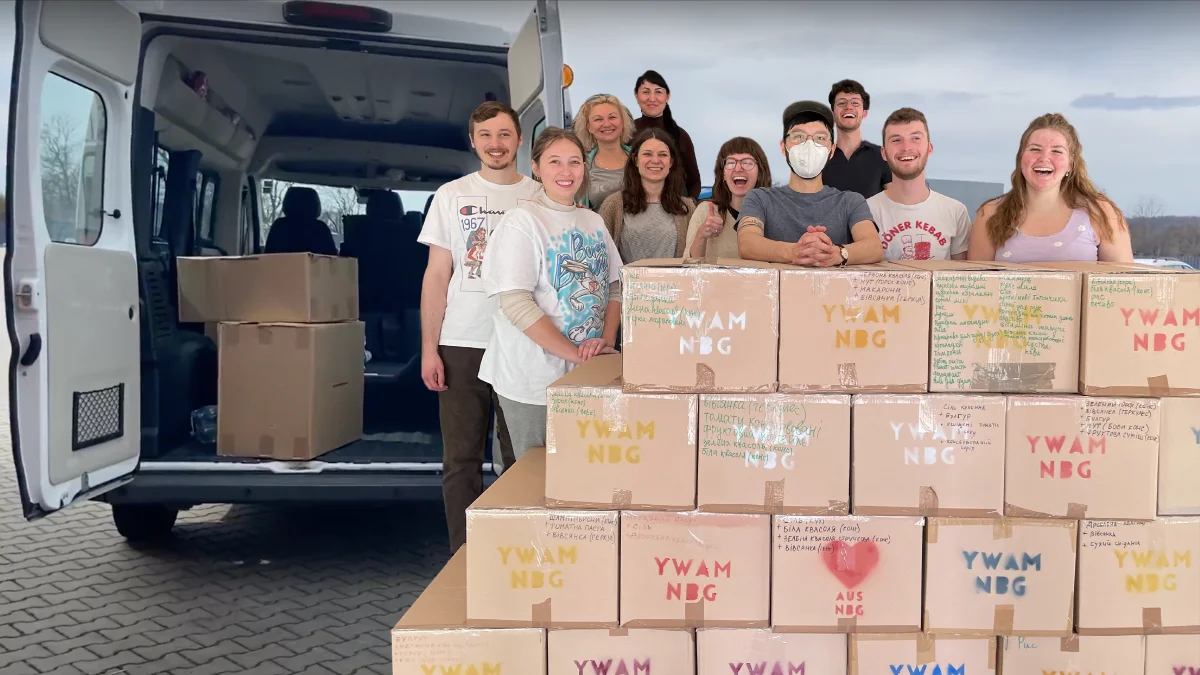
(653, 97)
(741, 166)
(649, 217)
(1053, 212)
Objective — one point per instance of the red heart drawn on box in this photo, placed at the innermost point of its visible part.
(850, 564)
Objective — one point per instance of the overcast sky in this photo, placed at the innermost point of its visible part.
(1126, 74)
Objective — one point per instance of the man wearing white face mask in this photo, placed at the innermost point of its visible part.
(807, 223)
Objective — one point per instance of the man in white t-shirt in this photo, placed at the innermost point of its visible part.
(916, 223)
(456, 312)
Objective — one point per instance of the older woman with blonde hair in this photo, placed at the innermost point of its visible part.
(1053, 212)
(605, 127)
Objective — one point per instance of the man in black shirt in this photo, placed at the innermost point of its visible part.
(857, 165)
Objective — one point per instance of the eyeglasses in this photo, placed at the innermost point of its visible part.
(747, 164)
(798, 137)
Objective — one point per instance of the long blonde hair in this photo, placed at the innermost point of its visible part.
(1077, 189)
(581, 123)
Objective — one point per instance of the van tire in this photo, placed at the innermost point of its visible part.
(144, 522)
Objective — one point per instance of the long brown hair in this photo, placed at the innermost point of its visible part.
(1077, 189)
(739, 145)
(633, 194)
(548, 136)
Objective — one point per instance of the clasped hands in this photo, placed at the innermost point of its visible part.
(815, 249)
(594, 347)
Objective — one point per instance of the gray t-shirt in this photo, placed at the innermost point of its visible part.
(602, 183)
(786, 214)
(649, 234)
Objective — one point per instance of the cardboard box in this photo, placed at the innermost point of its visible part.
(1002, 328)
(761, 651)
(1139, 577)
(274, 288)
(433, 637)
(928, 454)
(694, 570)
(1179, 458)
(1000, 576)
(697, 326)
(920, 653)
(528, 565)
(1140, 330)
(853, 329)
(1173, 655)
(1081, 457)
(289, 391)
(609, 449)
(849, 574)
(1074, 654)
(774, 453)
(607, 652)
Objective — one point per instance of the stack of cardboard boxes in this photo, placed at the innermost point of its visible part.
(290, 350)
(875, 469)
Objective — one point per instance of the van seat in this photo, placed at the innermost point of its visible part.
(301, 229)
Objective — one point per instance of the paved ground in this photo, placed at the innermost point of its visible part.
(239, 589)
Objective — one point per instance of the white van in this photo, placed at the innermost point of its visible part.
(122, 158)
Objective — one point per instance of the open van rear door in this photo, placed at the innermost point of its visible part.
(71, 266)
(535, 72)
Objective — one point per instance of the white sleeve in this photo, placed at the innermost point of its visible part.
(513, 260)
(436, 229)
(962, 227)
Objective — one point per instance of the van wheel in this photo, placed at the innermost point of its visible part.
(144, 522)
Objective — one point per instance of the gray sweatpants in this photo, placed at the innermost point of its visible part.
(526, 425)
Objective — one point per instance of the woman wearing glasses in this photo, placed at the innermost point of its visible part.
(649, 217)
(605, 127)
(741, 167)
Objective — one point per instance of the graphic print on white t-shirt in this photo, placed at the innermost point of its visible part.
(935, 229)
(578, 264)
(475, 223)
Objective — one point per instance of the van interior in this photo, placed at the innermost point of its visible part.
(241, 129)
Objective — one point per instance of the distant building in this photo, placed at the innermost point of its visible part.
(971, 193)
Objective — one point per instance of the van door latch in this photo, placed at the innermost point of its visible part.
(26, 295)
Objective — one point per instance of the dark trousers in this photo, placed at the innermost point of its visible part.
(466, 411)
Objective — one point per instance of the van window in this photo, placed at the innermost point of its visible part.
(205, 207)
(73, 131)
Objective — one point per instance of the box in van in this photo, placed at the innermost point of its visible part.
(281, 287)
(289, 391)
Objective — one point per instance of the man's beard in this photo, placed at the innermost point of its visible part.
(917, 171)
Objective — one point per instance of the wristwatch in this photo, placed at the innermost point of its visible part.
(845, 256)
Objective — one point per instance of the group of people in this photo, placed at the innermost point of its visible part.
(523, 277)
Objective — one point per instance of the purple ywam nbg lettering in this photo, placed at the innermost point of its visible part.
(1185, 670)
(929, 669)
(613, 667)
(767, 668)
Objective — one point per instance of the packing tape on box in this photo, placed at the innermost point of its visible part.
(773, 491)
(993, 643)
(618, 632)
(1002, 529)
(1012, 511)
(838, 507)
(853, 670)
(927, 501)
(848, 375)
(926, 648)
(706, 377)
(540, 614)
(1152, 623)
(622, 498)
(931, 537)
(1002, 620)
(1159, 386)
(1069, 644)
(848, 624)
(693, 614)
(1076, 511)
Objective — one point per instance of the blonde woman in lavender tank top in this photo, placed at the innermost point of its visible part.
(1053, 212)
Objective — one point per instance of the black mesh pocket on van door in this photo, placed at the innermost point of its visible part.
(99, 416)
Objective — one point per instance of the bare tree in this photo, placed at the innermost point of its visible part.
(61, 150)
(271, 200)
(335, 203)
(1148, 207)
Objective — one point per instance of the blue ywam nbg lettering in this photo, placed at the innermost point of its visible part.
(1001, 584)
(929, 669)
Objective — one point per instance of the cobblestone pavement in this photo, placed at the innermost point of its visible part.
(237, 589)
